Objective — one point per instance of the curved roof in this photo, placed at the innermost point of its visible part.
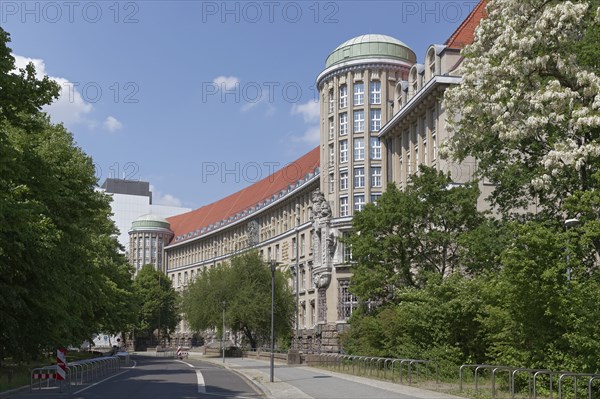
(248, 197)
(372, 45)
(150, 221)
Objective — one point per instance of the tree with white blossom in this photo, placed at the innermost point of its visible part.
(529, 105)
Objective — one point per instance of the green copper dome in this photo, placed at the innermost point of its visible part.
(150, 222)
(371, 46)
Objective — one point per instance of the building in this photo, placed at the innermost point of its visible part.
(381, 116)
(148, 236)
(130, 200)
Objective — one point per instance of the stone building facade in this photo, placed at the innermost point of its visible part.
(381, 116)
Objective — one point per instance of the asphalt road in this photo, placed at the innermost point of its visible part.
(156, 378)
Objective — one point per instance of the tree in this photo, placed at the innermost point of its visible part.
(528, 108)
(62, 277)
(409, 234)
(158, 302)
(244, 288)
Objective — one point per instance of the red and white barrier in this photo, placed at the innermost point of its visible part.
(61, 364)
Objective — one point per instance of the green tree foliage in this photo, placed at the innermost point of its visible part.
(410, 234)
(61, 275)
(158, 302)
(244, 288)
(528, 108)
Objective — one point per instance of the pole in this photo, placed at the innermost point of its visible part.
(273, 265)
(297, 278)
(223, 337)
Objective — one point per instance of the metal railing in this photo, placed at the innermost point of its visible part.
(532, 379)
(378, 366)
(78, 372)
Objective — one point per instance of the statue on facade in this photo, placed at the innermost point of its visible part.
(252, 231)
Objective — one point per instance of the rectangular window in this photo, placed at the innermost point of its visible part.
(343, 96)
(331, 128)
(331, 183)
(433, 129)
(347, 250)
(375, 93)
(302, 244)
(359, 203)
(375, 148)
(331, 101)
(359, 149)
(375, 123)
(313, 313)
(359, 121)
(303, 280)
(359, 93)
(344, 151)
(343, 180)
(375, 197)
(343, 124)
(376, 177)
(343, 206)
(359, 177)
(331, 155)
(294, 247)
(348, 303)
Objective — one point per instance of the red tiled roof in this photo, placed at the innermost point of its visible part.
(465, 33)
(246, 198)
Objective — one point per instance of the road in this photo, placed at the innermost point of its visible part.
(150, 378)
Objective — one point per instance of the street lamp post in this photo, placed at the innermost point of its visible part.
(297, 278)
(223, 333)
(568, 224)
(273, 265)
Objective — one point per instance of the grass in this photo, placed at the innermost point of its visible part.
(17, 374)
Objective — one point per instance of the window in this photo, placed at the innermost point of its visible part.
(331, 128)
(376, 177)
(343, 96)
(375, 197)
(347, 302)
(303, 278)
(375, 148)
(347, 250)
(303, 312)
(359, 121)
(331, 183)
(331, 101)
(359, 203)
(359, 177)
(433, 128)
(331, 155)
(344, 151)
(343, 124)
(375, 93)
(375, 124)
(343, 180)
(343, 206)
(302, 244)
(294, 247)
(359, 93)
(359, 149)
(313, 314)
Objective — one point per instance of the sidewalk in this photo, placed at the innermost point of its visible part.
(301, 382)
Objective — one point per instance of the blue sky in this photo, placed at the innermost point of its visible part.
(201, 98)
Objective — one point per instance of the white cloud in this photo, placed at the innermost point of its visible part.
(112, 124)
(226, 82)
(309, 110)
(70, 108)
(159, 198)
(310, 136)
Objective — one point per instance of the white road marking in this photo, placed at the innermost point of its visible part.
(201, 385)
(181, 361)
(106, 379)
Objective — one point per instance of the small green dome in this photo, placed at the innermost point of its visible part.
(150, 222)
(371, 46)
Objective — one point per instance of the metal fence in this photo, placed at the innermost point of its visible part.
(77, 373)
(532, 379)
(397, 370)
